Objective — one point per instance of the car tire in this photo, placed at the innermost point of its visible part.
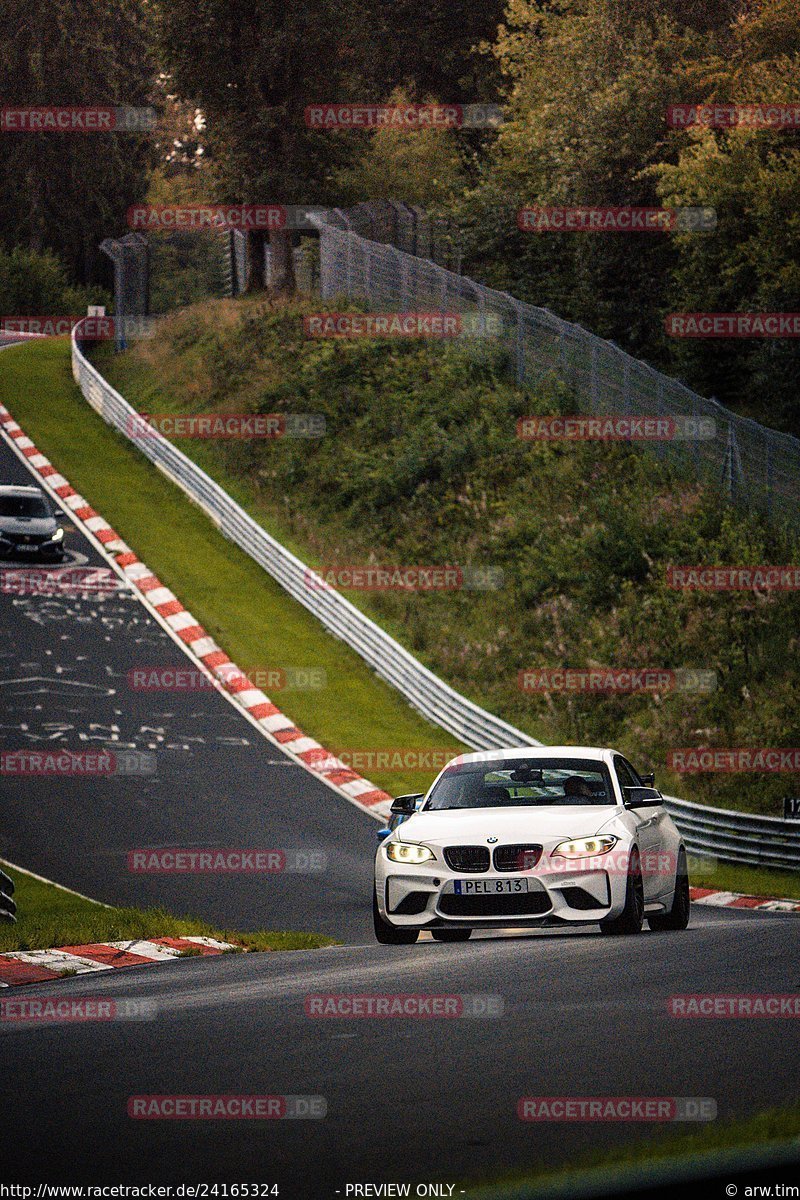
(631, 918)
(451, 935)
(390, 935)
(678, 916)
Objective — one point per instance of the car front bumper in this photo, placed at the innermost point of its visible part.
(17, 547)
(416, 897)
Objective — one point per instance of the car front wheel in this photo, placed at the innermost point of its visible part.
(390, 935)
(631, 918)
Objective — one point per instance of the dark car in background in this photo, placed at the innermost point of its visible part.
(28, 525)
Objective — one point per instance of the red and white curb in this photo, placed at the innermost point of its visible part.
(36, 966)
(273, 724)
(717, 899)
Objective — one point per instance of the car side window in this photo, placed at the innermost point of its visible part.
(637, 782)
(624, 773)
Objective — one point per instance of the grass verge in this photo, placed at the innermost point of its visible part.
(608, 1171)
(750, 881)
(49, 916)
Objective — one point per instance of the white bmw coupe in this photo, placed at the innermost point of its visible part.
(535, 836)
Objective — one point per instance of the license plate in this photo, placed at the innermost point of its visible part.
(492, 887)
(25, 547)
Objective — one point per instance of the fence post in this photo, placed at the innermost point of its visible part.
(595, 382)
(131, 258)
(368, 273)
(696, 440)
(403, 280)
(226, 252)
(481, 309)
(732, 468)
(349, 264)
(520, 354)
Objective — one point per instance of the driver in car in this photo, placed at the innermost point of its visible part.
(576, 786)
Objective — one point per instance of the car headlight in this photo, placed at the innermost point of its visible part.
(58, 536)
(583, 847)
(407, 852)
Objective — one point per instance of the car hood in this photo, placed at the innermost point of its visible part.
(475, 825)
(35, 525)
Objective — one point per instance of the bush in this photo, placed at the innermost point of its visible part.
(34, 284)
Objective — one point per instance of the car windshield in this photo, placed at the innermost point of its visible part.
(23, 506)
(523, 783)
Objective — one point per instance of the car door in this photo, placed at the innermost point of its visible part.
(648, 835)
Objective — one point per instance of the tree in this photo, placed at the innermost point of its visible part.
(432, 47)
(751, 177)
(424, 167)
(588, 83)
(253, 66)
(66, 191)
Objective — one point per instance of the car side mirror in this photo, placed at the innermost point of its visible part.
(382, 834)
(407, 805)
(649, 780)
(642, 797)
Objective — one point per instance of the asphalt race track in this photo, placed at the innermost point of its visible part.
(417, 1100)
(64, 682)
(424, 1101)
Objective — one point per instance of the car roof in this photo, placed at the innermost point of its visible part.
(602, 754)
(13, 489)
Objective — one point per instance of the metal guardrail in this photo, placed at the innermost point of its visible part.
(737, 837)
